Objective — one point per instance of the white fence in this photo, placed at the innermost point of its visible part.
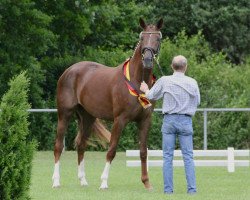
(230, 154)
(205, 118)
(204, 110)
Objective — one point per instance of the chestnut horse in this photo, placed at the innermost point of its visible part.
(94, 91)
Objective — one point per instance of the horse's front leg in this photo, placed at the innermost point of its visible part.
(119, 124)
(144, 126)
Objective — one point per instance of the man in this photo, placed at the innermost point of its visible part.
(181, 97)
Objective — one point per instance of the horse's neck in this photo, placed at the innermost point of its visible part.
(136, 68)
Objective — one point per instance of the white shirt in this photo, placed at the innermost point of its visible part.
(180, 94)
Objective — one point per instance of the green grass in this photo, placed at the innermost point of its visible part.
(213, 183)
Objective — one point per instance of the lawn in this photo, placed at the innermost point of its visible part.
(213, 183)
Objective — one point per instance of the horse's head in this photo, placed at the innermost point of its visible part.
(150, 39)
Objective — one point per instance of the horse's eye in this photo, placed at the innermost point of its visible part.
(141, 38)
(158, 39)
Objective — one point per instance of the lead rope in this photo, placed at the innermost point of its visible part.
(158, 64)
(142, 78)
(156, 59)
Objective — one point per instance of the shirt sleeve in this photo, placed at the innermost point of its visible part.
(156, 92)
(198, 94)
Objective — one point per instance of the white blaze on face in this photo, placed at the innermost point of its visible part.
(150, 37)
(56, 175)
(149, 40)
(81, 174)
(105, 175)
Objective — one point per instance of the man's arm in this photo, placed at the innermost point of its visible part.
(198, 94)
(155, 93)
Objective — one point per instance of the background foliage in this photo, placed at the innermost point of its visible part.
(225, 24)
(46, 37)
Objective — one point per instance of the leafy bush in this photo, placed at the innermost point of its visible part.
(16, 152)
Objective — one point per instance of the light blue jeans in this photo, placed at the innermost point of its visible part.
(181, 126)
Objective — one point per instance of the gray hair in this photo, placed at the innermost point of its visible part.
(179, 62)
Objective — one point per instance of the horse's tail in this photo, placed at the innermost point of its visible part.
(99, 134)
(100, 131)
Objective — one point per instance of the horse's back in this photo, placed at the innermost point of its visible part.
(84, 71)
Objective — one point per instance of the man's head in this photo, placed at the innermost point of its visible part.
(179, 64)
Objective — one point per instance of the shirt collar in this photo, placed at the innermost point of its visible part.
(178, 74)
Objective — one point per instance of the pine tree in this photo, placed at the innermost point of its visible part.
(16, 151)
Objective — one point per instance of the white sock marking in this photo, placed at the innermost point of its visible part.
(56, 175)
(81, 174)
(105, 175)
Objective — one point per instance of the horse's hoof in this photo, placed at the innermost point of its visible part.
(56, 183)
(150, 189)
(56, 186)
(103, 189)
(84, 183)
(148, 186)
(104, 185)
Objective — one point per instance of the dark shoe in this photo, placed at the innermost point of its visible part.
(191, 193)
(168, 193)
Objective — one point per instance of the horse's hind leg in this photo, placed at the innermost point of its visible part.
(85, 122)
(64, 116)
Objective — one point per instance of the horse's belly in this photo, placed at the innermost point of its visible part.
(96, 100)
(98, 110)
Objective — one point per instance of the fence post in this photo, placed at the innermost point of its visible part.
(205, 129)
(230, 159)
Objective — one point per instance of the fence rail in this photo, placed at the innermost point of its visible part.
(229, 156)
(204, 110)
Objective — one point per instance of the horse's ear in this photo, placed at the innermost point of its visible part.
(159, 24)
(142, 23)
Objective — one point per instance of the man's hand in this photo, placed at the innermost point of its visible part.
(144, 87)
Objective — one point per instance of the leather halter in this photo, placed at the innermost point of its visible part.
(153, 52)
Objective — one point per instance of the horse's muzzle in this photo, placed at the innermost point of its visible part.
(148, 63)
(148, 57)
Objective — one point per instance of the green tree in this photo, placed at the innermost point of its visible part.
(225, 24)
(24, 39)
(15, 150)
